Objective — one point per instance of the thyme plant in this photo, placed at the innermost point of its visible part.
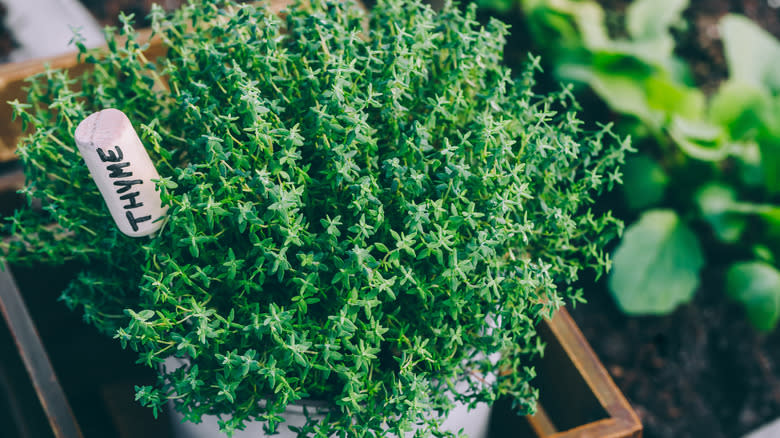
(362, 209)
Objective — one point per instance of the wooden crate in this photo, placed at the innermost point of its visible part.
(578, 398)
(79, 373)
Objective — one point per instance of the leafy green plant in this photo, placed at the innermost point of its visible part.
(711, 159)
(656, 249)
(357, 215)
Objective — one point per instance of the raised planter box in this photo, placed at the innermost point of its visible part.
(578, 398)
(79, 373)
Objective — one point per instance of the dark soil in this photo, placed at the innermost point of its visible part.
(700, 44)
(702, 371)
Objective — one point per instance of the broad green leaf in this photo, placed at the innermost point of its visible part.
(623, 93)
(729, 203)
(502, 6)
(656, 266)
(673, 98)
(749, 167)
(644, 182)
(769, 144)
(680, 72)
(619, 62)
(715, 198)
(634, 88)
(590, 21)
(648, 23)
(700, 131)
(766, 211)
(763, 253)
(739, 108)
(770, 162)
(700, 140)
(716, 203)
(654, 52)
(626, 95)
(771, 214)
(719, 206)
(588, 17)
(752, 54)
(555, 32)
(648, 19)
(756, 285)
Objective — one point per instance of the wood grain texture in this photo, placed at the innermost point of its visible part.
(622, 422)
(12, 82)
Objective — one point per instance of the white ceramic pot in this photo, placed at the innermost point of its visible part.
(209, 428)
(474, 422)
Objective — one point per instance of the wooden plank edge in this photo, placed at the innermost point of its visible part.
(606, 428)
(35, 359)
(623, 421)
(14, 75)
(540, 422)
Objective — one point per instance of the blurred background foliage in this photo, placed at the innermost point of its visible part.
(703, 189)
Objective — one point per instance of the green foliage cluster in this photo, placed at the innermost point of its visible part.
(711, 165)
(363, 208)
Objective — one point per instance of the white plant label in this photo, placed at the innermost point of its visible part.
(122, 170)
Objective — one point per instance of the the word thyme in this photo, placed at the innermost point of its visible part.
(362, 208)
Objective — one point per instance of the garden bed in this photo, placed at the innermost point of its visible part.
(703, 370)
(700, 44)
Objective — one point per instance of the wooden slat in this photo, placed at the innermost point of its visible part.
(18, 424)
(541, 423)
(12, 81)
(623, 421)
(607, 428)
(35, 360)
